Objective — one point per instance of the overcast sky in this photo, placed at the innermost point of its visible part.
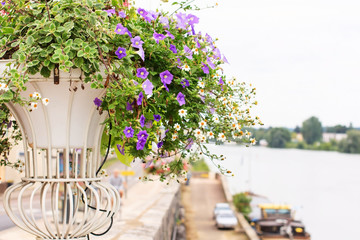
(303, 56)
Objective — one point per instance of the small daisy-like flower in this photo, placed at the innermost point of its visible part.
(222, 137)
(186, 67)
(33, 106)
(216, 119)
(182, 113)
(253, 141)
(202, 92)
(36, 95)
(202, 124)
(174, 137)
(165, 167)
(177, 127)
(203, 138)
(195, 51)
(234, 125)
(210, 135)
(103, 173)
(183, 173)
(201, 84)
(198, 133)
(5, 88)
(45, 101)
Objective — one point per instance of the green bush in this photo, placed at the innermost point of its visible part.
(242, 203)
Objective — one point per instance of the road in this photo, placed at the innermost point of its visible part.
(199, 199)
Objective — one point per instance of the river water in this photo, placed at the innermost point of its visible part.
(323, 187)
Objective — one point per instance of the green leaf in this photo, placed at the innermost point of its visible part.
(69, 25)
(45, 72)
(33, 63)
(30, 40)
(125, 159)
(22, 57)
(69, 64)
(7, 30)
(8, 95)
(89, 3)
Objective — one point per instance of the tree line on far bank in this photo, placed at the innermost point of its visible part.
(310, 136)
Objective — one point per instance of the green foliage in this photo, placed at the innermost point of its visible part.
(312, 130)
(278, 137)
(39, 35)
(242, 203)
(337, 129)
(352, 143)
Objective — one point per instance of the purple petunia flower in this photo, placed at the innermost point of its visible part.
(210, 63)
(217, 54)
(205, 68)
(190, 143)
(9, 124)
(173, 48)
(110, 12)
(180, 98)
(142, 121)
(166, 77)
(122, 14)
(168, 34)
(158, 37)
(188, 52)
(221, 82)
(136, 42)
(142, 135)
(140, 144)
(197, 43)
(129, 132)
(121, 30)
(166, 87)
(141, 53)
(142, 73)
(121, 149)
(185, 83)
(129, 106)
(179, 63)
(121, 52)
(192, 19)
(225, 60)
(148, 124)
(160, 144)
(148, 87)
(142, 12)
(97, 102)
(164, 21)
(181, 21)
(140, 98)
(209, 39)
(3, 3)
(157, 117)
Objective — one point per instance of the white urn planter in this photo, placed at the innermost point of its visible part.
(62, 155)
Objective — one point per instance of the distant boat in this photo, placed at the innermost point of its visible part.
(277, 223)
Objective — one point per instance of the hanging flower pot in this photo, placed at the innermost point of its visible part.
(61, 135)
(148, 78)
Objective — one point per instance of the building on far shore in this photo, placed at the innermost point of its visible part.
(327, 137)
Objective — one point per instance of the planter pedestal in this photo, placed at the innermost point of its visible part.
(62, 155)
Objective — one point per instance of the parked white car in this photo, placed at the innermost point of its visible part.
(226, 219)
(220, 207)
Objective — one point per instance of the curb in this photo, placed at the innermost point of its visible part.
(249, 231)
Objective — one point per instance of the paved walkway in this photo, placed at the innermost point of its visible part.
(199, 199)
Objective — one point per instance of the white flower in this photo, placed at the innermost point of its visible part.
(183, 173)
(253, 141)
(185, 67)
(216, 119)
(45, 101)
(165, 167)
(4, 87)
(103, 173)
(210, 135)
(174, 137)
(177, 127)
(172, 176)
(202, 92)
(36, 95)
(182, 113)
(201, 84)
(195, 51)
(33, 106)
(198, 133)
(202, 138)
(234, 126)
(202, 124)
(222, 137)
